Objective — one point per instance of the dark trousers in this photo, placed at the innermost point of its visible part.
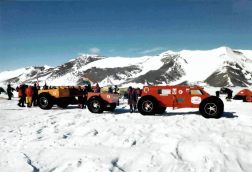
(9, 96)
(35, 100)
(229, 95)
(82, 101)
(22, 101)
(132, 107)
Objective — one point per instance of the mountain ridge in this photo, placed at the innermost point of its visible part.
(222, 66)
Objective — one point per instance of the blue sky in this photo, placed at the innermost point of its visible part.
(52, 32)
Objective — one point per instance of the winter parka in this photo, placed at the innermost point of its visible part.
(132, 96)
(29, 91)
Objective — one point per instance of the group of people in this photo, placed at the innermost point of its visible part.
(114, 90)
(132, 96)
(27, 94)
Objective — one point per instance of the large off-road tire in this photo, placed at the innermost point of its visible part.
(160, 110)
(211, 107)
(111, 108)
(95, 105)
(45, 101)
(147, 105)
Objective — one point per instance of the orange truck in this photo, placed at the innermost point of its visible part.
(63, 96)
(155, 100)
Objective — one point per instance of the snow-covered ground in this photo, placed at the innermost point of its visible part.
(74, 139)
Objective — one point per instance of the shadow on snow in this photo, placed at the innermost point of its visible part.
(124, 110)
(224, 115)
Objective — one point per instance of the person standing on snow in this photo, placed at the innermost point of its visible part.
(110, 90)
(97, 88)
(45, 87)
(132, 99)
(9, 91)
(88, 88)
(116, 90)
(2, 90)
(18, 89)
(35, 95)
(21, 95)
(81, 97)
(29, 94)
(139, 92)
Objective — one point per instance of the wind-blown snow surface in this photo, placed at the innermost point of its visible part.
(77, 140)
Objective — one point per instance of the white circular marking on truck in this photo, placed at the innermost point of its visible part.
(196, 100)
(146, 89)
(180, 91)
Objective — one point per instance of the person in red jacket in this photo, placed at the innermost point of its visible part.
(29, 93)
(21, 95)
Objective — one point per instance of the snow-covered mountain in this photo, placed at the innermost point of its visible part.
(217, 67)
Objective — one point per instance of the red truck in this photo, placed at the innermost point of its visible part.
(155, 99)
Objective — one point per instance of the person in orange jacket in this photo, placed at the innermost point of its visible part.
(29, 93)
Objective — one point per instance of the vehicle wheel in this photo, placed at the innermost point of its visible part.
(111, 108)
(95, 105)
(147, 106)
(211, 107)
(160, 110)
(62, 105)
(45, 101)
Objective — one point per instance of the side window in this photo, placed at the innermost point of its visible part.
(196, 92)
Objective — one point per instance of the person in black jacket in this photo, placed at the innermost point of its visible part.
(116, 90)
(82, 97)
(9, 91)
(225, 90)
(88, 88)
(35, 95)
(2, 90)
